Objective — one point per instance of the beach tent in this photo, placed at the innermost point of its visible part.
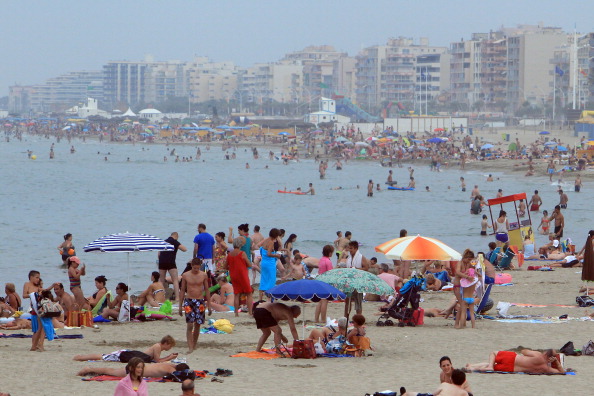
(128, 242)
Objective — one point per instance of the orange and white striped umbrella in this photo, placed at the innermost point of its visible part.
(417, 248)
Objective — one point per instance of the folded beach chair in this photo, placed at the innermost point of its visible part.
(481, 306)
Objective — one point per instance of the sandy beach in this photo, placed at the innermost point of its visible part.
(402, 357)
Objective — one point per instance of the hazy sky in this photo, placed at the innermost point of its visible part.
(43, 39)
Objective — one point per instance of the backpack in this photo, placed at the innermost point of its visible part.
(588, 349)
(49, 309)
(584, 301)
(181, 376)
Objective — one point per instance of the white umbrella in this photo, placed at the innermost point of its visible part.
(126, 243)
(363, 144)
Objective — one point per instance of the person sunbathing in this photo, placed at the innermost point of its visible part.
(329, 332)
(17, 324)
(447, 374)
(154, 295)
(567, 262)
(154, 352)
(528, 361)
(453, 388)
(153, 370)
(224, 300)
(433, 283)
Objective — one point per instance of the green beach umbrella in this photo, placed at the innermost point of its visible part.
(349, 280)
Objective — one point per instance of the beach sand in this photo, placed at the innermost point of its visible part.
(402, 357)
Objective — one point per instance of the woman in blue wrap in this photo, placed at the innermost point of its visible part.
(268, 251)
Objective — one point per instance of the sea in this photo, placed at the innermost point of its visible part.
(135, 190)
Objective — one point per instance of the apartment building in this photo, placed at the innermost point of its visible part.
(60, 93)
(206, 80)
(389, 73)
(19, 99)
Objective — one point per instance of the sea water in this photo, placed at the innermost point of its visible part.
(81, 193)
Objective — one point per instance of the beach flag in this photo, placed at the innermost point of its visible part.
(559, 71)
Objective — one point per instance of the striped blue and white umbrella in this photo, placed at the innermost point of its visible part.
(128, 242)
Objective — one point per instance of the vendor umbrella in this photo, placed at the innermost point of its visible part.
(305, 290)
(350, 280)
(126, 243)
(418, 248)
(435, 140)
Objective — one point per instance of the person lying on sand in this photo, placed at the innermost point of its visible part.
(528, 361)
(154, 352)
(155, 370)
(568, 262)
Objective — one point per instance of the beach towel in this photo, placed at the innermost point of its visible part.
(266, 354)
(63, 336)
(101, 304)
(113, 378)
(567, 372)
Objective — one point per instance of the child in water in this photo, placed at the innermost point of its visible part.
(485, 225)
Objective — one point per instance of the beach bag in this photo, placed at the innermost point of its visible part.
(181, 376)
(503, 278)
(126, 356)
(49, 309)
(418, 316)
(568, 349)
(223, 325)
(303, 349)
(85, 318)
(584, 301)
(588, 349)
(124, 315)
(72, 319)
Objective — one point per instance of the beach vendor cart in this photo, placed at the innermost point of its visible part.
(520, 224)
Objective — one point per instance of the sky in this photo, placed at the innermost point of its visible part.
(43, 39)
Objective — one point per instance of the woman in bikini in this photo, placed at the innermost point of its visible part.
(100, 282)
(223, 302)
(12, 298)
(113, 307)
(74, 275)
(154, 295)
(544, 223)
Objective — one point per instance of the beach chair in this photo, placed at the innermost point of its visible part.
(101, 304)
(483, 303)
(494, 256)
(505, 261)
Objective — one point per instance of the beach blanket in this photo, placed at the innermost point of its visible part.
(567, 372)
(20, 335)
(211, 330)
(543, 305)
(257, 355)
(268, 354)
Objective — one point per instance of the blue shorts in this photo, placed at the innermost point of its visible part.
(502, 237)
(550, 171)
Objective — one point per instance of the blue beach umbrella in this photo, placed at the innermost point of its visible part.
(435, 140)
(544, 133)
(561, 148)
(305, 290)
(284, 133)
(550, 143)
(126, 243)
(486, 146)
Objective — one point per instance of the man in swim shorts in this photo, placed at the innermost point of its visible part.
(192, 301)
(559, 222)
(267, 316)
(535, 202)
(528, 361)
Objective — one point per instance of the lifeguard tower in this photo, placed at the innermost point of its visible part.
(518, 227)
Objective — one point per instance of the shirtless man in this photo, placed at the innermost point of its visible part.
(66, 300)
(559, 222)
(268, 315)
(311, 190)
(577, 186)
(475, 191)
(256, 238)
(187, 388)
(453, 388)
(370, 188)
(527, 362)
(390, 180)
(154, 370)
(535, 202)
(153, 351)
(194, 285)
(563, 199)
(411, 183)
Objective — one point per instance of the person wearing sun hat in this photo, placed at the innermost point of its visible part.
(468, 285)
